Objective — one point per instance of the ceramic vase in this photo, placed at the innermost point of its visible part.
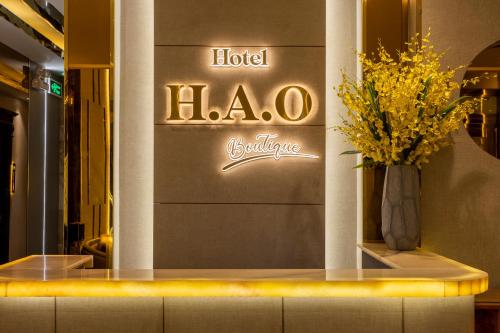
(401, 208)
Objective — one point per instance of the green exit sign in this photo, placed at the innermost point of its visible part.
(55, 88)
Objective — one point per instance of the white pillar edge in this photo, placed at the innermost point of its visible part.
(116, 135)
(359, 159)
(341, 179)
(134, 134)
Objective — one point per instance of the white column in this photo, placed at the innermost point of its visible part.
(341, 216)
(133, 134)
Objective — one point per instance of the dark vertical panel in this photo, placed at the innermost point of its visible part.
(72, 152)
(105, 143)
(6, 132)
(87, 140)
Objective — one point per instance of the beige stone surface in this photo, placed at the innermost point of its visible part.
(109, 314)
(461, 185)
(282, 22)
(189, 162)
(303, 66)
(50, 262)
(342, 182)
(343, 315)
(27, 314)
(417, 259)
(223, 314)
(443, 315)
(238, 236)
(263, 214)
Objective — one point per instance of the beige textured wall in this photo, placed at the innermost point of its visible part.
(461, 185)
(268, 214)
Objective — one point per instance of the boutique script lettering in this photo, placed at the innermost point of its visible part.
(265, 146)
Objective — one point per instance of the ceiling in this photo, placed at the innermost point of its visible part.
(16, 39)
(59, 4)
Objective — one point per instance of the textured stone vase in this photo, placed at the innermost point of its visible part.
(401, 207)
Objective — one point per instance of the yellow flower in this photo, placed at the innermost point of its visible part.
(401, 112)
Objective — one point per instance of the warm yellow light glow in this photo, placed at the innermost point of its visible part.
(11, 73)
(22, 10)
(13, 84)
(206, 288)
(15, 262)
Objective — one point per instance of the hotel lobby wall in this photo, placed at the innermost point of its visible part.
(461, 185)
(263, 213)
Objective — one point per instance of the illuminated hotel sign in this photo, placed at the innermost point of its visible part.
(226, 57)
(289, 104)
(240, 108)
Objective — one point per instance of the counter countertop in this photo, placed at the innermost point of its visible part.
(50, 262)
(416, 274)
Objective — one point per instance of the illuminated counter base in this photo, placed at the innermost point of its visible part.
(259, 283)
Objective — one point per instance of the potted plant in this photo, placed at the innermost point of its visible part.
(397, 116)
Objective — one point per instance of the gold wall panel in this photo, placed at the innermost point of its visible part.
(88, 33)
(94, 148)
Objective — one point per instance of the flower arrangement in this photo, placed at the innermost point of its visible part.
(400, 113)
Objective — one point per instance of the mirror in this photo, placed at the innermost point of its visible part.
(483, 124)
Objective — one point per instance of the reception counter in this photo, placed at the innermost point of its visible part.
(417, 292)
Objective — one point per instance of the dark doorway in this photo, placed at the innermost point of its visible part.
(6, 133)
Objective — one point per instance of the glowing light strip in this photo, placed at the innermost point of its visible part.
(22, 10)
(265, 156)
(44, 171)
(405, 287)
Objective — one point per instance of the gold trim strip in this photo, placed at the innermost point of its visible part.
(13, 84)
(22, 10)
